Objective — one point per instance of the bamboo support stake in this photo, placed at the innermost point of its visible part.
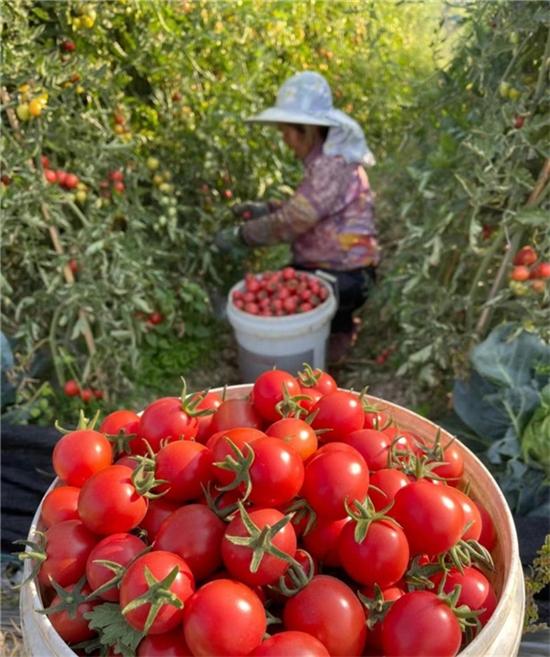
(532, 201)
(54, 233)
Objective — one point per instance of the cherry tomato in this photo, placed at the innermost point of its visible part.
(118, 548)
(380, 558)
(376, 420)
(117, 421)
(269, 389)
(475, 590)
(290, 644)
(430, 516)
(472, 516)
(373, 446)
(224, 617)
(340, 412)
(71, 388)
(169, 644)
(321, 541)
(332, 478)
(185, 466)
(157, 512)
(73, 628)
(238, 558)
(296, 433)
(488, 536)
(79, 454)
(419, 624)
(60, 504)
(525, 256)
(159, 565)
(384, 485)
(317, 380)
(194, 533)
(68, 545)
(109, 502)
(211, 401)
(220, 444)
(165, 420)
(330, 611)
(276, 473)
(235, 413)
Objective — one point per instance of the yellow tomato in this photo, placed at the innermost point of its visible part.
(81, 196)
(152, 163)
(22, 111)
(35, 107)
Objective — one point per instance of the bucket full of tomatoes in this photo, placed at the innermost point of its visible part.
(280, 319)
(335, 522)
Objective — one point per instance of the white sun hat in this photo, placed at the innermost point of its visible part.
(306, 99)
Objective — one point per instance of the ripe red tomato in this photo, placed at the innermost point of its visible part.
(186, 467)
(118, 548)
(384, 485)
(79, 454)
(472, 516)
(488, 536)
(321, 541)
(340, 412)
(51, 176)
(71, 181)
(297, 434)
(165, 419)
(73, 628)
(68, 545)
(109, 502)
(119, 421)
(520, 273)
(211, 401)
(453, 467)
(224, 617)
(525, 256)
(373, 446)
(86, 394)
(380, 558)
(376, 420)
(60, 504)
(330, 611)
(290, 644)
(333, 477)
(169, 644)
(269, 389)
(73, 266)
(238, 558)
(318, 380)
(276, 473)
(419, 624)
(194, 533)
(430, 516)
(220, 444)
(235, 413)
(158, 564)
(157, 512)
(475, 590)
(542, 270)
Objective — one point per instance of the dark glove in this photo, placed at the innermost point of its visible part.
(250, 210)
(229, 239)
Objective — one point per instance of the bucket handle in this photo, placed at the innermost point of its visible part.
(331, 280)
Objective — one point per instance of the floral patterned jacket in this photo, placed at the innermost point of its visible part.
(329, 221)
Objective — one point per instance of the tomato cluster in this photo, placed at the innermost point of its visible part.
(279, 293)
(528, 267)
(198, 520)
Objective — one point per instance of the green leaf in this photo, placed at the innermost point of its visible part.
(113, 630)
(532, 217)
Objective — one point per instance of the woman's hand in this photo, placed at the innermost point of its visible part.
(250, 210)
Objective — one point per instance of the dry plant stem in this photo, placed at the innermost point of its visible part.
(532, 201)
(54, 234)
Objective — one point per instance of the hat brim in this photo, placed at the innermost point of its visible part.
(277, 115)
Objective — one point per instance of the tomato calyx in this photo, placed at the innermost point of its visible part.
(467, 553)
(260, 541)
(70, 598)
(377, 607)
(240, 465)
(214, 502)
(364, 514)
(300, 509)
(118, 571)
(37, 554)
(420, 572)
(298, 574)
(467, 618)
(157, 595)
(84, 424)
(419, 467)
(143, 477)
(191, 401)
(376, 411)
(289, 406)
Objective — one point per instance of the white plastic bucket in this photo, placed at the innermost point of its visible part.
(282, 342)
(501, 635)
